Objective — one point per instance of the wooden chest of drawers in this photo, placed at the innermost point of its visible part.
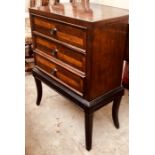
(80, 53)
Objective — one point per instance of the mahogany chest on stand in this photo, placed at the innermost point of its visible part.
(79, 53)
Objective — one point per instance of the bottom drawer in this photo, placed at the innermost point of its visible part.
(60, 74)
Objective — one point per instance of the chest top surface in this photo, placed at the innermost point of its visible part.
(90, 13)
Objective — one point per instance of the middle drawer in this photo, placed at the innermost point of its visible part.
(73, 58)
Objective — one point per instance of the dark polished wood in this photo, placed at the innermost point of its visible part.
(115, 109)
(79, 52)
(88, 129)
(39, 90)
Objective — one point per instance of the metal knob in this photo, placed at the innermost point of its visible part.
(53, 31)
(54, 51)
(54, 70)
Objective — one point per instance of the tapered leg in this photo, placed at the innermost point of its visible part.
(88, 129)
(115, 109)
(39, 91)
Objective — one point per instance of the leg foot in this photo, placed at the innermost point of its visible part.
(115, 109)
(39, 90)
(88, 129)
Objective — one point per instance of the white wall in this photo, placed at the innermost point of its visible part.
(116, 3)
(27, 5)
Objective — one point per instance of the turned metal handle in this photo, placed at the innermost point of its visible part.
(54, 51)
(54, 70)
(53, 31)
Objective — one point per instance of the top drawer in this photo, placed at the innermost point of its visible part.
(61, 31)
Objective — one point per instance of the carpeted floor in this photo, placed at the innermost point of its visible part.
(56, 127)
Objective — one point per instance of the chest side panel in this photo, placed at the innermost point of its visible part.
(107, 57)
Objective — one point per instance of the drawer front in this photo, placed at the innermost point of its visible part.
(63, 32)
(59, 73)
(60, 52)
